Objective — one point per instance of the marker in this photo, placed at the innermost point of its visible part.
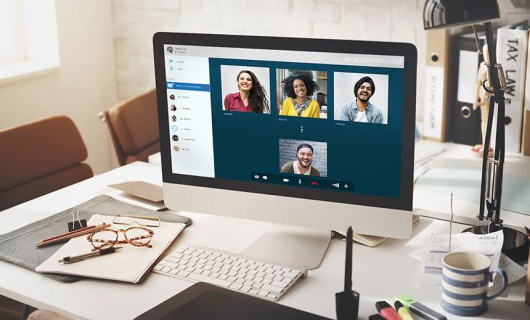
(375, 317)
(419, 308)
(386, 311)
(402, 311)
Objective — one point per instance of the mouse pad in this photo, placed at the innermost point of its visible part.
(206, 301)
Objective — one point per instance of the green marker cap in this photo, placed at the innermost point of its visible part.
(405, 300)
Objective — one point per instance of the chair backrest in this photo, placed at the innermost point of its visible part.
(40, 157)
(133, 126)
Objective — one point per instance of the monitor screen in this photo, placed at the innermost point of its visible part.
(322, 120)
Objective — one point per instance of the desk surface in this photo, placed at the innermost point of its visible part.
(378, 273)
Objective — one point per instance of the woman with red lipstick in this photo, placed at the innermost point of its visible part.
(299, 88)
(251, 96)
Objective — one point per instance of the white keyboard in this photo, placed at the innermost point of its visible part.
(228, 270)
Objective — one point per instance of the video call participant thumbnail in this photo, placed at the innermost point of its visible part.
(303, 163)
(299, 87)
(361, 109)
(251, 96)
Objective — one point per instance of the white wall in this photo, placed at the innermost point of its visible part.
(84, 84)
(106, 48)
(379, 20)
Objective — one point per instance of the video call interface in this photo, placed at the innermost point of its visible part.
(318, 120)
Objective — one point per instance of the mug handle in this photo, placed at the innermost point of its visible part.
(504, 276)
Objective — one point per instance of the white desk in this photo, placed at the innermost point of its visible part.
(378, 273)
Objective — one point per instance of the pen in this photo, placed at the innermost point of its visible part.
(70, 235)
(348, 267)
(347, 301)
(402, 311)
(419, 308)
(85, 256)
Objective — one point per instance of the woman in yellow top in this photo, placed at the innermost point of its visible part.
(299, 87)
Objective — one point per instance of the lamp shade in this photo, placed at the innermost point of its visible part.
(451, 13)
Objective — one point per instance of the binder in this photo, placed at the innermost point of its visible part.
(466, 121)
(512, 43)
(435, 120)
(525, 144)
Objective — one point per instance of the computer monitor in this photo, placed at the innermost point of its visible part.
(307, 132)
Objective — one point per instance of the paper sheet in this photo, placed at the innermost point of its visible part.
(488, 244)
(129, 264)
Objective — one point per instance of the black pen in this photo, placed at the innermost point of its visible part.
(347, 301)
(348, 267)
(85, 256)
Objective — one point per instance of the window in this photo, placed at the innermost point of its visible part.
(28, 37)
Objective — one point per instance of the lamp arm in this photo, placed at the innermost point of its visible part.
(492, 168)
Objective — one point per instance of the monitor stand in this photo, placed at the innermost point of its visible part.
(290, 246)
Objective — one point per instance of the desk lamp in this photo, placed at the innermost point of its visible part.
(439, 14)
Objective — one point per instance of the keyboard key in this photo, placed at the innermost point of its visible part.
(263, 293)
(272, 296)
(236, 286)
(214, 281)
(245, 288)
(272, 288)
(279, 284)
(183, 273)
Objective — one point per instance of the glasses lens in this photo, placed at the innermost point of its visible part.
(104, 239)
(138, 236)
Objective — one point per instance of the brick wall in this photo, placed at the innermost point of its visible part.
(135, 21)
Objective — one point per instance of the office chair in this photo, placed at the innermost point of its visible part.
(37, 158)
(133, 126)
(46, 315)
(40, 157)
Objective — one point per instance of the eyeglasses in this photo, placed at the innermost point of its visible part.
(139, 220)
(106, 238)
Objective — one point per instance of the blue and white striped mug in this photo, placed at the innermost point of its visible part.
(465, 281)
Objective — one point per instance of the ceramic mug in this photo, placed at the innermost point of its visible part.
(465, 280)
